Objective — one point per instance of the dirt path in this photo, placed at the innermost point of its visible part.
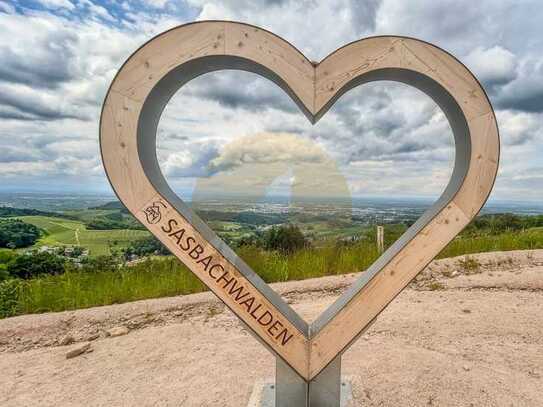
(465, 334)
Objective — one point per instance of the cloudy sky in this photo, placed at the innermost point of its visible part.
(58, 57)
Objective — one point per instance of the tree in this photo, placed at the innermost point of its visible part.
(495, 224)
(286, 239)
(15, 233)
(144, 247)
(35, 264)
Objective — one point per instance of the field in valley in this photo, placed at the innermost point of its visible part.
(61, 231)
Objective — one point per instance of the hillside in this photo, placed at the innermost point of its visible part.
(111, 205)
(60, 231)
(458, 336)
(7, 211)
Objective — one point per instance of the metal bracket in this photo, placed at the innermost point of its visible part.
(290, 390)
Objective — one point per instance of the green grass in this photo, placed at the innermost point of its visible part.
(160, 277)
(102, 241)
(74, 290)
(309, 263)
(60, 231)
(525, 240)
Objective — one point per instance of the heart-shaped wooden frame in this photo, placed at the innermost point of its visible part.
(149, 78)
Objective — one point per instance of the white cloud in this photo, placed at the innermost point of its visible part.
(252, 165)
(268, 148)
(157, 3)
(494, 65)
(519, 127)
(6, 7)
(52, 83)
(383, 138)
(97, 10)
(56, 4)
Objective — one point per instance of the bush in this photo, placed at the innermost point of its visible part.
(5, 257)
(9, 297)
(16, 233)
(286, 239)
(4, 275)
(249, 240)
(499, 223)
(35, 264)
(145, 247)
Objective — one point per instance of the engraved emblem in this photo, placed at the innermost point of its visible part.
(152, 212)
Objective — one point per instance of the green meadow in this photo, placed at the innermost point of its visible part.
(61, 231)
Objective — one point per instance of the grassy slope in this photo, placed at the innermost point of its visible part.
(167, 277)
(68, 232)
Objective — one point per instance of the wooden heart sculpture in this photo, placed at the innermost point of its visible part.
(149, 78)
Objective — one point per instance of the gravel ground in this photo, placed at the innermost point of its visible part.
(463, 334)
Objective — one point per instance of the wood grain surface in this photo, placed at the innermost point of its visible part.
(315, 85)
